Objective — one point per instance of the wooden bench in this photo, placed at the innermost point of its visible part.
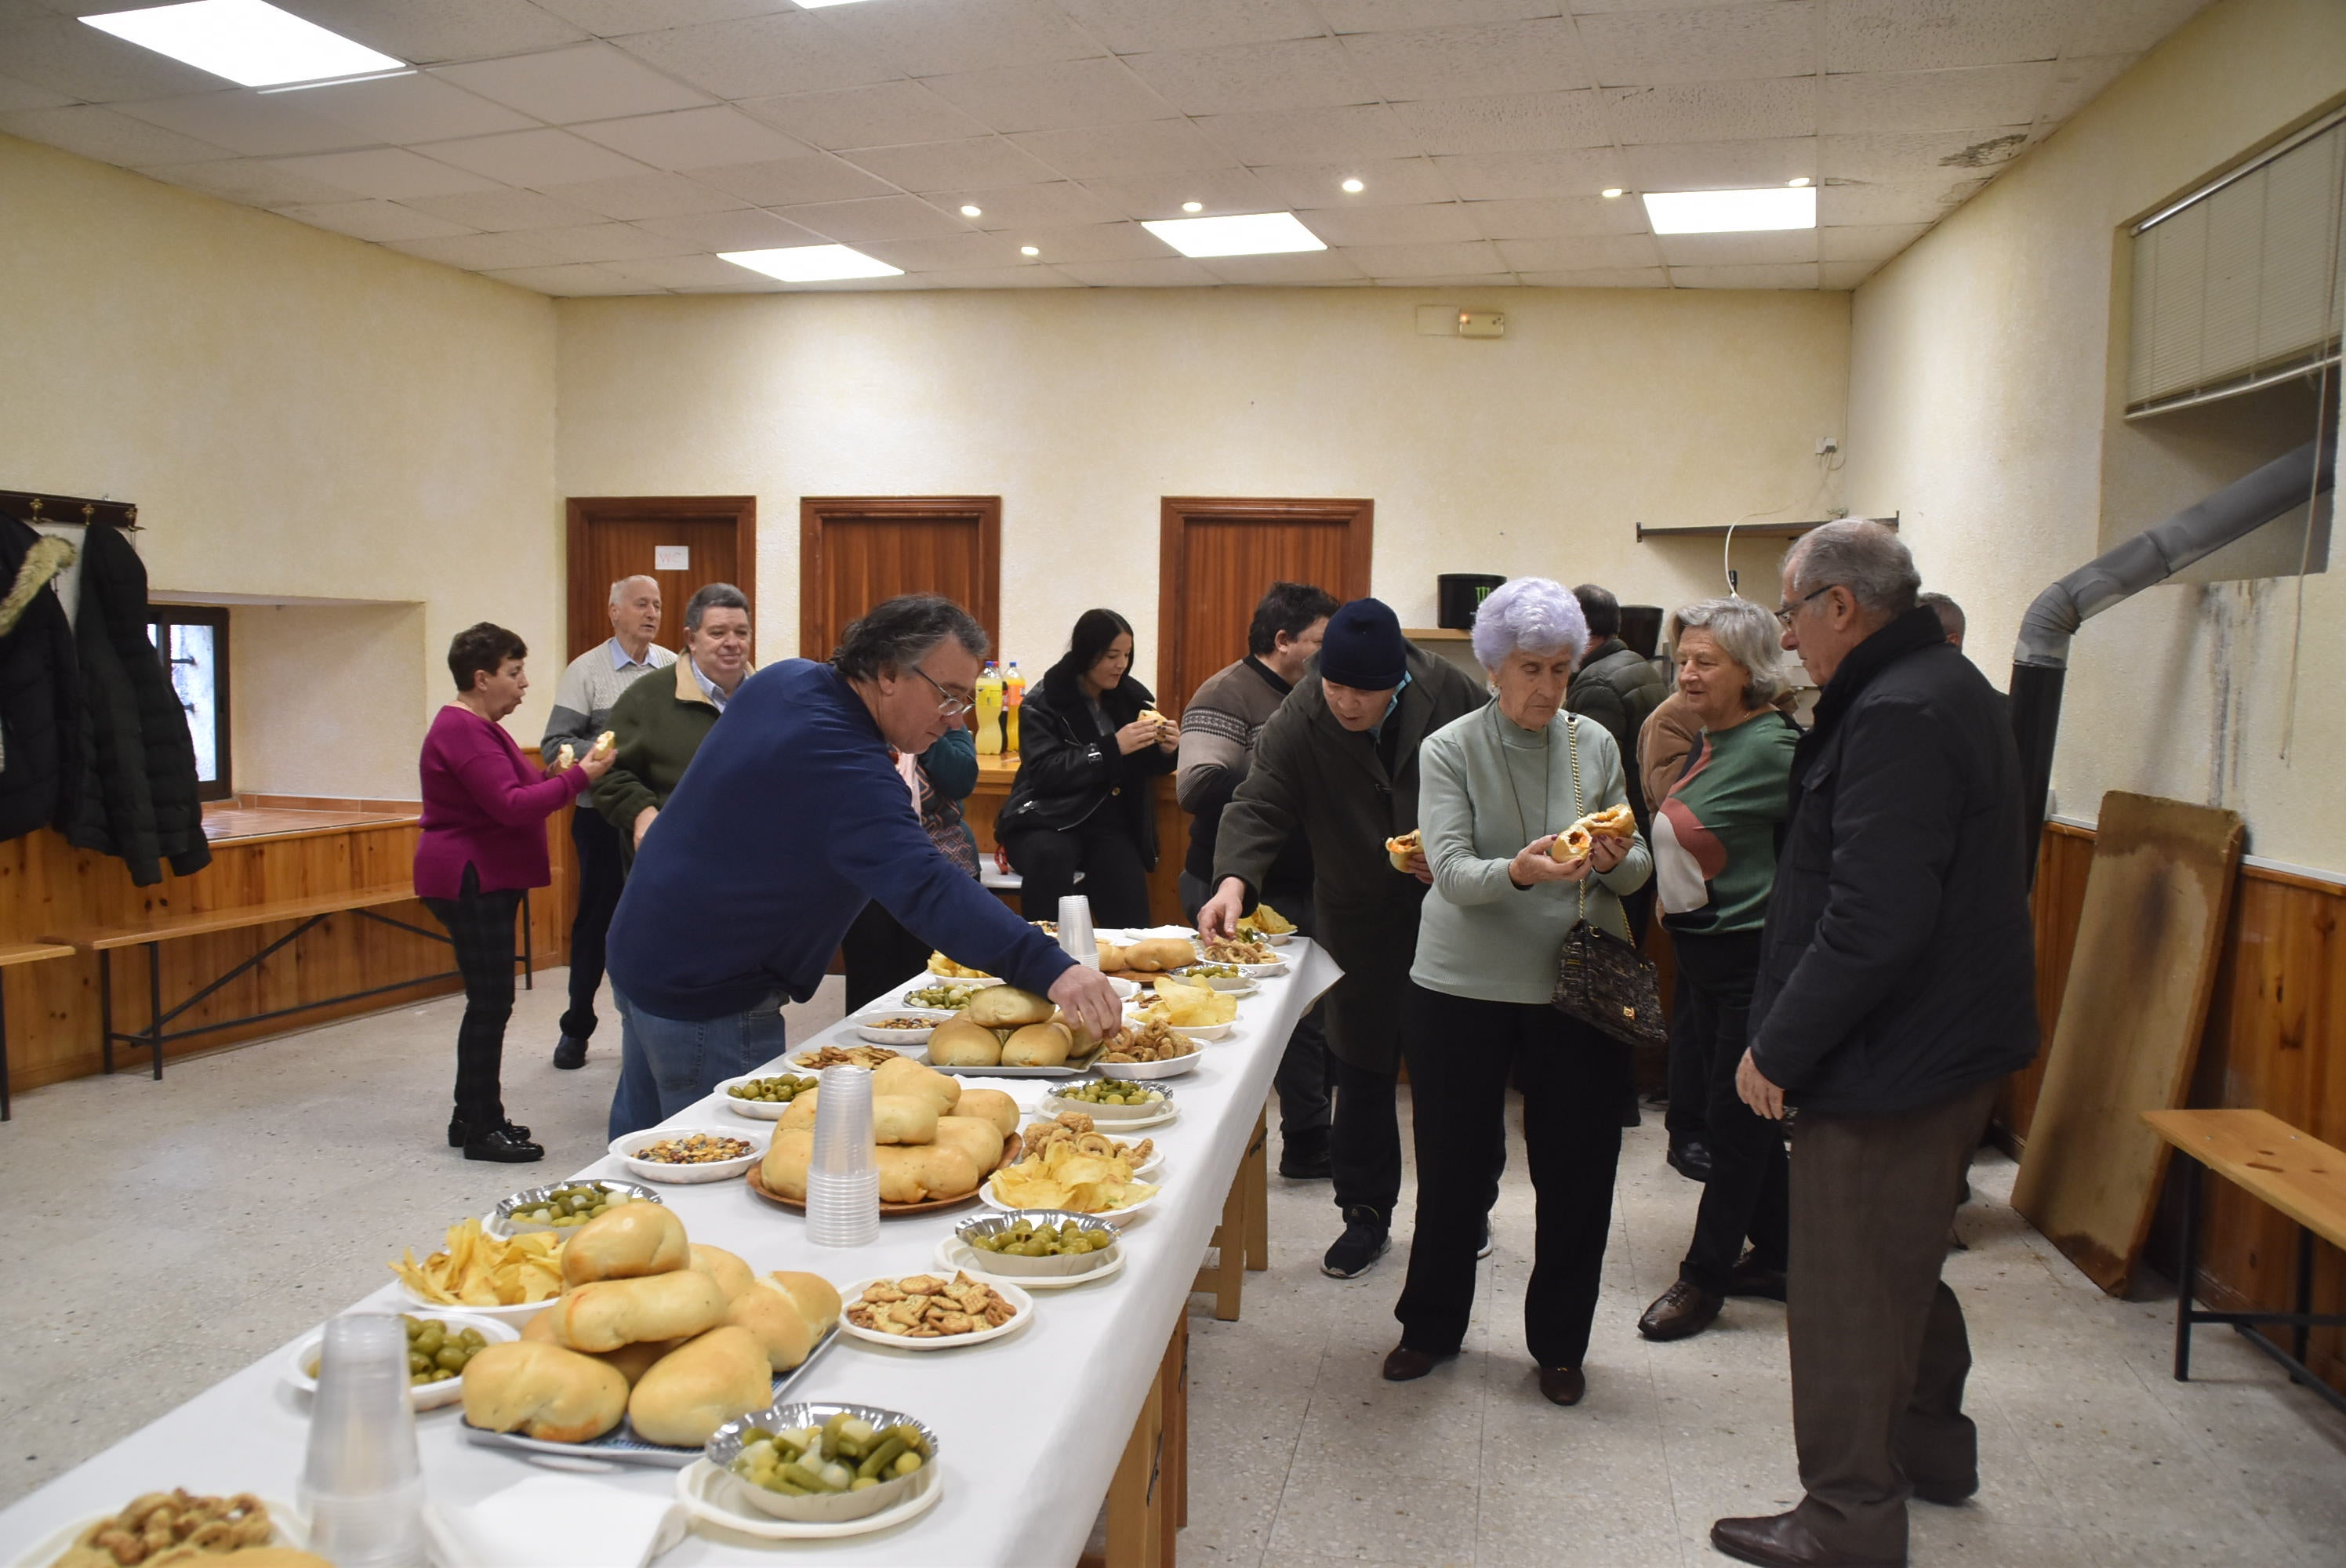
(2295, 1172)
(304, 912)
(11, 954)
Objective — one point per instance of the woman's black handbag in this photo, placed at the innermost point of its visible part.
(1602, 980)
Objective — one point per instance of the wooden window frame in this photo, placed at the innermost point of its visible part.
(588, 601)
(815, 512)
(223, 716)
(1174, 513)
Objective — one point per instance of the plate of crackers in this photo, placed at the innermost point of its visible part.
(933, 1312)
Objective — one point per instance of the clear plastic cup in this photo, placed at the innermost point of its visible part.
(842, 1172)
(1076, 935)
(361, 1483)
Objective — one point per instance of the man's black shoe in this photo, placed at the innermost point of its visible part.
(1749, 1278)
(459, 1135)
(1367, 1235)
(1306, 1160)
(503, 1147)
(571, 1052)
(1690, 1158)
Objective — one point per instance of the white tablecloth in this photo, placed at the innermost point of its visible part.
(1030, 1426)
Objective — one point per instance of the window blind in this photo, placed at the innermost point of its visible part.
(2236, 285)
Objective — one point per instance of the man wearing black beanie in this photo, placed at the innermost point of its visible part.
(1338, 763)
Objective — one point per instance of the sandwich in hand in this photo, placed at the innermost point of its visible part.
(1574, 842)
(1400, 849)
(605, 743)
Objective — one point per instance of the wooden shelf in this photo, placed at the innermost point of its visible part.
(1753, 530)
(1436, 635)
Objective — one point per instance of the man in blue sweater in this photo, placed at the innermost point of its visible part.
(790, 818)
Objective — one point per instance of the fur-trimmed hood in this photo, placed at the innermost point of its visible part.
(47, 557)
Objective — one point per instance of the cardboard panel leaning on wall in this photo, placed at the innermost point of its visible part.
(317, 698)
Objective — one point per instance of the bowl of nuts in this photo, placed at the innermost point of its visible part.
(689, 1154)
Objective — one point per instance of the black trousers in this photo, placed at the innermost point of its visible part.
(1748, 1195)
(881, 954)
(1463, 1053)
(1301, 1081)
(1690, 1069)
(481, 926)
(601, 876)
(1116, 879)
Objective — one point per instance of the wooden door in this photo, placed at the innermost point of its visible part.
(855, 551)
(613, 538)
(1218, 556)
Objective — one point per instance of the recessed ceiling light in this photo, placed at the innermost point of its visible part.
(1247, 234)
(1730, 211)
(1193, 207)
(1029, 251)
(811, 263)
(1796, 184)
(1609, 193)
(968, 211)
(247, 41)
(1354, 188)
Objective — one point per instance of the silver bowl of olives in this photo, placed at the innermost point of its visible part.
(1110, 1100)
(565, 1205)
(825, 1463)
(1039, 1243)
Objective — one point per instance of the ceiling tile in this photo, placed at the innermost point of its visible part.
(1871, 204)
(758, 56)
(2124, 26)
(428, 31)
(411, 109)
(16, 95)
(1556, 217)
(1868, 241)
(1028, 276)
(1515, 123)
(392, 173)
(1389, 15)
(786, 182)
(1153, 272)
(1453, 281)
(713, 138)
(886, 114)
(1134, 26)
(1918, 155)
(1927, 35)
(948, 252)
(1120, 152)
(1052, 94)
(1359, 133)
(1722, 165)
(935, 37)
(606, 243)
(371, 220)
(243, 120)
(1737, 250)
(574, 281)
(1782, 275)
(250, 180)
(501, 210)
(1306, 73)
(743, 229)
(1463, 259)
(1394, 224)
(1845, 274)
(1472, 62)
(880, 217)
(634, 196)
(65, 57)
(1386, 182)
(1299, 267)
(589, 82)
(1059, 204)
(2077, 82)
(951, 164)
(1094, 242)
(1714, 111)
(1218, 192)
(682, 271)
(107, 137)
(534, 158)
(479, 253)
(615, 18)
(1600, 277)
(1511, 174)
(1933, 101)
(1586, 254)
(1716, 43)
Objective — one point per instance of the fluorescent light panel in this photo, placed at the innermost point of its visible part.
(1730, 211)
(247, 41)
(811, 263)
(1247, 234)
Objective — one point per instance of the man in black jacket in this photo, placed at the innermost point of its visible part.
(1896, 989)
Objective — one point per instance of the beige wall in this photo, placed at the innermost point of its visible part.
(1538, 452)
(1980, 391)
(294, 669)
(296, 414)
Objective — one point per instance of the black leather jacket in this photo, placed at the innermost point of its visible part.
(1068, 772)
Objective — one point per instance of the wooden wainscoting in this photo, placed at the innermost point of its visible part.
(2275, 1041)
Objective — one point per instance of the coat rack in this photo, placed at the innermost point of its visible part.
(30, 506)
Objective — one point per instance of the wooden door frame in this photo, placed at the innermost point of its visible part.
(581, 511)
(815, 510)
(1175, 513)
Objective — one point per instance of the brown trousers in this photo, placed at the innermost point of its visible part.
(1879, 1352)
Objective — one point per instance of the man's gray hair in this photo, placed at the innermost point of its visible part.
(1529, 614)
(901, 632)
(1863, 556)
(1950, 614)
(619, 588)
(712, 597)
(1744, 633)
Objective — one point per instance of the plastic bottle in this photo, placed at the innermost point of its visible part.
(988, 721)
(1013, 696)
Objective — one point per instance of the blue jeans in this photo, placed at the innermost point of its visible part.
(666, 1063)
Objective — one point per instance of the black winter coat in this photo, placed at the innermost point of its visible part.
(40, 692)
(1898, 964)
(137, 764)
(1068, 772)
(1620, 690)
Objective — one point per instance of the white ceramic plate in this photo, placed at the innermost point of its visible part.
(850, 1294)
(758, 1110)
(704, 1492)
(518, 1314)
(900, 1038)
(1263, 970)
(1113, 1126)
(625, 1148)
(422, 1396)
(288, 1527)
(1199, 1031)
(1124, 989)
(1112, 1215)
(959, 1255)
(1147, 1070)
(1240, 986)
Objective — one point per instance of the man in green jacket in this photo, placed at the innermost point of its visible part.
(662, 721)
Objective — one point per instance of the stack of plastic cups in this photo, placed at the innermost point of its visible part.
(843, 1173)
(1076, 939)
(362, 1485)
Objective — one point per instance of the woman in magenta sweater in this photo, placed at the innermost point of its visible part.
(483, 841)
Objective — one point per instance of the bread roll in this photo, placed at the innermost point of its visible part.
(919, 1172)
(784, 1168)
(972, 1135)
(1007, 1007)
(731, 1274)
(800, 1112)
(627, 1242)
(990, 1106)
(541, 1391)
(1111, 956)
(903, 1119)
(616, 1312)
(788, 1312)
(1038, 1045)
(1159, 953)
(958, 1043)
(267, 1557)
(903, 1076)
(699, 1386)
(630, 1361)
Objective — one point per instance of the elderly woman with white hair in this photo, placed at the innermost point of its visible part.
(1498, 788)
(1715, 866)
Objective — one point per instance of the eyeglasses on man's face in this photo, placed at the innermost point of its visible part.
(1784, 612)
(949, 704)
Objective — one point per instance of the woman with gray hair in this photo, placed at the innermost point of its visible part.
(1498, 789)
(1715, 865)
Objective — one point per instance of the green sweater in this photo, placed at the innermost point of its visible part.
(661, 722)
(1715, 833)
(1488, 790)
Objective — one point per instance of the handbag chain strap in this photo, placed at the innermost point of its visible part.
(1580, 809)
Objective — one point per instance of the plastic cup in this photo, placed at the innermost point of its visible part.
(361, 1483)
(843, 1173)
(1076, 936)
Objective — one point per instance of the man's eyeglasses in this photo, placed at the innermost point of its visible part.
(1785, 613)
(949, 704)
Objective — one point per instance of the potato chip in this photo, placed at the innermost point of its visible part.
(1064, 1177)
(1267, 920)
(477, 1269)
(1190, 1006)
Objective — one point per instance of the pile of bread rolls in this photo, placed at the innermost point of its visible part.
(1154, 956)
(1005, 1027)
(932, 1139)
(677, 1337)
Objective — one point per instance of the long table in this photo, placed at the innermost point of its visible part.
(1031, 1427)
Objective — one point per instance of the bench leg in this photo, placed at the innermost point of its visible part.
(155, 1005)
(3, 1054)
(2303, 1336)
(2187, 1273)
(106, 1007)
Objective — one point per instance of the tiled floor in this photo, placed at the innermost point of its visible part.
(254, 1191)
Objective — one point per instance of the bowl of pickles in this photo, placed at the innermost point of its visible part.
(1039, 1243)
(1110, 1100)
(439, 1346)
(565, 1205)
(825, 1463)
(764, 1097)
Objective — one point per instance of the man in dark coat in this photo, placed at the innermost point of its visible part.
(1337, 762)
(1896, 989)
(40, 694)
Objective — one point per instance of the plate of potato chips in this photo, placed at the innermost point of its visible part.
(494, 1275)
